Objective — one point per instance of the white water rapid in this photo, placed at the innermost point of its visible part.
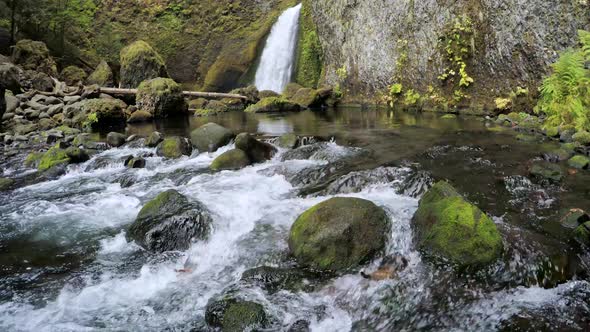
(278, 57)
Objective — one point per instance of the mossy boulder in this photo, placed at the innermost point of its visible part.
(230, 160)
(73, 75)
(198, 103)
(154, 139)
(99, 113)
(174, 147)
(582, 137)
(557, 155)
(33, 158)
(140, 62)
(210, 137)
(291, 89)
(235, 315)
(140, 116)
(448, 226)
(579, 162)
(115, 139)
(288, 141)
(6, 183)
(11, 77)
(273, 104)
(162, 97)
(54, 157)
(250, 92)
(34, 55)
(102, 75)
(582, 233)
(307, 97)
(545, 171)
(267, 93)
(338, 234)
(212, 107)
(256, 150)
(88, 141)
(170, 222)
(77, 155)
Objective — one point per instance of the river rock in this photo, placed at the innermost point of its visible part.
(34, 55)
(582, 137)
(230, 160)
(235, 315)
(174, 147)
(274, 279)
(137, 162)
(154, 139)
(579, 162)
(140, 62)
(140, 116)
(6, 183)
(11, 77)
(267, 93)
(161, 97)
(288, 141)
(256, 150)
(557, 155)
(101, 76)
(582, 234)
(448, 226)
(273, 104)
(307, 98)
(291, 89)
(115, 139)
(170, 222)
(210, 137)
(54, 157)
(73, 75)
(100, 113)
(338, 234)
(545, 171)
(77, 155)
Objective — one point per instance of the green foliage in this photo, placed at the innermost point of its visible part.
(457, 49)
(395, 89)
(411, 98)
(565, 94)
(91, 119)
(309, 53)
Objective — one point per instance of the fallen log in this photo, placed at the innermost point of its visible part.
(119, 91)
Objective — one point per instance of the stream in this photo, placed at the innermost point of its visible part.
(66, 265)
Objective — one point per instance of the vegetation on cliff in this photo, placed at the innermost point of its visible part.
(309, 50)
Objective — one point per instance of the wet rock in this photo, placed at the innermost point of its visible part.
(309, 98)
(210, 137)
(582, 234)
(338, 234)
(389, 268)
(174, 147)
(73, 75)
(291, 89)
(115, 139)
(89, 141)
(161, 97)
(300, 326)
(448, 226)
(137, 162)
(545, 171)
(54, 157)
(11, 77)
(250, 92)
(170, 222)
(230, 160)
(267, 93)
(274, 279)
(304, 152)
(77, 155)
(416, 184)
(356, 181)
(557, 155)
(573, 218)
(140, 62)
(273, 104)
(579, 162)
(34, 55)
(256, 150)
(6, 184)
(101, 76)
(235, 315)
(154, 139)
(288, 141)
(140, 116)
(99, 113)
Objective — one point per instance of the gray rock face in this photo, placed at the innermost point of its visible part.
(514, 43)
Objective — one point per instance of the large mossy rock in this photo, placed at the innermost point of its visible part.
(54, 157)
(170, 222)
(11, 77)
(140, 62)
(34, 55)
(546, 172)
(272, 105)
(230, 160)
(307, 98)
(235, 315)
(448, 226)
(256, 150)
(174, 147)
(99, 113)
(210, 137)
(579, 162)
(291, 89)
(162, 97)
(73, 75)
(102, 75)
(338, 234)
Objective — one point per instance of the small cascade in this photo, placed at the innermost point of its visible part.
(278, 57)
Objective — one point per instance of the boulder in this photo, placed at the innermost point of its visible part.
(544, 171)
(582, 137)
(210, 137)
(274, 279)
(288, 141)
(174, 147)
(140, 62)
(73, 75)
(88, 141)
(6, 183)
(140, 116)
(267, 93)
(11, 77)
(557, 155)
(197, 104)
(38, 80)
(162, 97)
(137, 162)
(34, 55)
(235, 315)
(449, 227)
(579, 162)
(582, 233)
(170, 222)
(230, 160)
(256, 150)
(99, 113)
(338, 234)
(307, 98)
(77, 155)
(115, 139)
(154, 139)
(54, 157)
(291, 89)
(273, 104)
(250, 92)
(102, 75)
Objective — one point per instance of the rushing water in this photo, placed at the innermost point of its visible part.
(278, 57)
(67, 266)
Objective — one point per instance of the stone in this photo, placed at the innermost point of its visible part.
(34, 55)
(101, 76)
(137, 162)
(256, 150)
(235, 315)
(338, 234)
(170, 222)
(140, 116)
(100, 113)
(55, 156)
(6, 183)
(115, 139)
(174, 147)
(196, 104)
(12, 103)
(557, 155)
(274, 279)
(273, 105)
(11, 77)
(154, 139)
(291, 89)
(210, 137)
(288, 141)
(39, 81)
(140, 62)
(449, 227)
(46, 124)
(579, 162)
(77, 155)
(582, 137)
(73, 75)
(267, 93)
(230, 160)
(307, 98)
(546, 171)
(162, 97)
(25, 129)
(582, 234)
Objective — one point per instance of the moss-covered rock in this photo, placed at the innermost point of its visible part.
(170, 222)
(73, 75)
(551, 131)
(6, 183)
(198, 103)
(210, 137)
(288, 141)
(140, 62)
(309, 65)
(256, 150)
(154, 139)
(100, 113)
(448, 226)
(250, 92)
(545, 171)
(230, 160)
(212, 107)
(174, 147)
(291, 89)
(34, 55)
(235, 315)
(116, 139)
(55, 156)
(582, 137)
(267, 93)
(273, 104)
(140, 116)
(307, 97)
(579, 162)
(162, 97)
(582, 233)
(33, 158)
(102, 75)
(10, 77)
(338, 234)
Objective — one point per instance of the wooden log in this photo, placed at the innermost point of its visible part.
(119, 91)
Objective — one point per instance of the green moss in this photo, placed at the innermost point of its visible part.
(101, 76)
(167, 198)
(53, 157)
(579, 162)
(5, 183)
(448, 117)
(33, 159)
(73, 75)
(309, 52)
(173, 147)
(242, 316)
(551, 131)
(230, 160)
(582, 137)
(272, 104)
(139, 62)
(34, 55)
(582, 233)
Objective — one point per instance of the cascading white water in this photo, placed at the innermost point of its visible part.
(276, 63)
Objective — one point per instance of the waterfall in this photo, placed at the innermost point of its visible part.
(278, 57)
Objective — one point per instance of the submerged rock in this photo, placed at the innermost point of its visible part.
(545, 171)
(235, 315)
(210, 137)
(174, 147)
(140, 62)
(170, 222)
(450, 227)
(230, 160)
(137, 162)
(161, 97)
(274, 279)
(338, 234)
(256, 150)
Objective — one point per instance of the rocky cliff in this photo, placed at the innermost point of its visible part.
(470, 49)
